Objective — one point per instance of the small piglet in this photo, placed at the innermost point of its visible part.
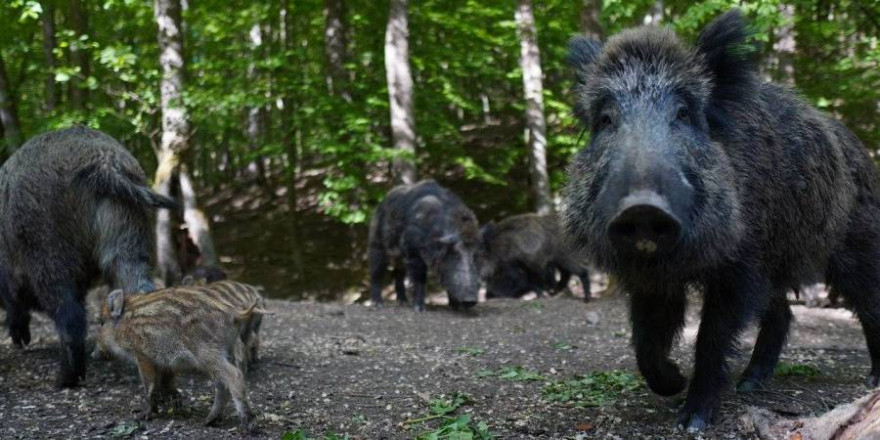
(239, 296)
(176, 330)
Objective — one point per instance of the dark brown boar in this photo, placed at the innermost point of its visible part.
(75, 207)
(699, 175)
(522, 254)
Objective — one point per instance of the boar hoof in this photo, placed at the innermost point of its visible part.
(212, 420)
(695, 418)
(250, 426)
(873, 381)
(749, 384)
(67, 380)
(21, 336)
(668, 383)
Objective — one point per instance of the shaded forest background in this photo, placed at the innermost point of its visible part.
(277, 115)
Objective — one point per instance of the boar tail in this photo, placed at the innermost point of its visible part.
(248, 313)
(107, 180)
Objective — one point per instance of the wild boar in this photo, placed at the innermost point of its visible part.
(238, 296)
(75, 207)
(176, 330)
(423, 226)
(701, 175)
(522, 254)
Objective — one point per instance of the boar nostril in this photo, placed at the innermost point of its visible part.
(644, 229)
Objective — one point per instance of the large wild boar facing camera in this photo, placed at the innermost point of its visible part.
(700, 175)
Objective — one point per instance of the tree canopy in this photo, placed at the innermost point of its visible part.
(269, 60)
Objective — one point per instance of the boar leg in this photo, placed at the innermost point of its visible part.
(729, 303)
(220, 397)
(418, 273)
(378, 266)
(400, 282)
(853, 274)
(70, 323)
(149, 375)
(167, 388)
(124, 248)
(774, 331)
(572, 267)
(253, 345)
(657, 317)
(18, 320)
(233, 380)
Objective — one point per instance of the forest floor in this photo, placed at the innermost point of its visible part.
(365, 371)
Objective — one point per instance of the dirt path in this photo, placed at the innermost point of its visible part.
(363, 371)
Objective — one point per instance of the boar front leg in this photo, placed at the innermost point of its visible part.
(167, 388)
(657, 318)
(70, 324)
(729, 303)
(18, 321)
(418, 273)
(149, 374)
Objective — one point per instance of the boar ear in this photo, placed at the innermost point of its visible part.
(582, 52)
(728, 55)
(115, 303)
(487, 231)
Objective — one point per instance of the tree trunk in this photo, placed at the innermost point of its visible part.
(655, 14)
(197, 223)
(591, 25)
(785, 45)
(530, 62)
(8, 113)
(48, 21)
(335, 47)
(256, 115)
(400, 92)
(289, 146)
(166, 245)
(79, 94)
(175, 140)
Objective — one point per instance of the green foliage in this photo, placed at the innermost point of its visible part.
(442, 407)
(595, 389)
(562, 346)
(458, 428)
(301, 434)
(516, 373)
(468, 85)
(784, 369)
(124, 429)
(470, 351)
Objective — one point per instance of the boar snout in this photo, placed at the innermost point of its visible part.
(644, 225)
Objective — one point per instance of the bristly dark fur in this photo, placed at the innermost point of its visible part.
(522, 254)
(110, 180)
(777, 195)
(423, 226)
(75, 207)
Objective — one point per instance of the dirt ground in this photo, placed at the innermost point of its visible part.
(362, 371)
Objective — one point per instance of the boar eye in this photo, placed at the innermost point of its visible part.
(604, 122)
(683, 114)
